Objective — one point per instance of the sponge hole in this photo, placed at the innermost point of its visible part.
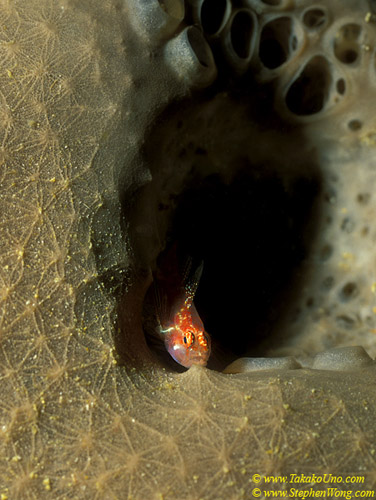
(347, 225)
(363, 198)
(347, 56)
(341, 86)
(213, 15)
(349, 292)
(346, 46)
(242, 28)
(310, 91)
(354, 125)
(277, 42)
(314, 18)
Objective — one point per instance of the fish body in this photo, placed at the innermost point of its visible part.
(180, 325)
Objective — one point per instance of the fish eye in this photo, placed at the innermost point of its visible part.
(189, 338)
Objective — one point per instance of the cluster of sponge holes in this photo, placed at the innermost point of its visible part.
(348, 49)
(304, 89)
(331, 62)
(229, 28)
(312, 57)
(256, 33)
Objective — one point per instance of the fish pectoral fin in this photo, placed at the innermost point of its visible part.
(162, 306)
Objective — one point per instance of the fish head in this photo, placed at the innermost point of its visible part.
(188, 347)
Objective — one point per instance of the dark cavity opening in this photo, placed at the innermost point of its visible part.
(314, 18)
(348, 56)
(341, 86)
(251, 236)
(346, 46)
(277, 42)
(310, 91)
(223, 192)
(241, 33)
(212, 15)
(354, 125)
(349, 291)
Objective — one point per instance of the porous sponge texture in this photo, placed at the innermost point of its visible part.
(78, 90)
(336, 303)
(322, 57)
(57, 103)
(65, 135)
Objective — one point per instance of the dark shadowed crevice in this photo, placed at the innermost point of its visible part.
(225, 193)
(341, 86)
(251, 235)
(277, 42)
(314, 18)
(346, 45)
(241, 33)
(212, 15)
(310, 92)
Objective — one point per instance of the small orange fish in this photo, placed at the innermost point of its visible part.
(180, 325)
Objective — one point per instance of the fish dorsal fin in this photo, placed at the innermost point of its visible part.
(168, 301)
(191, 280)
(186, 271)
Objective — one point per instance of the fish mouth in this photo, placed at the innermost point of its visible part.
(199, 360)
